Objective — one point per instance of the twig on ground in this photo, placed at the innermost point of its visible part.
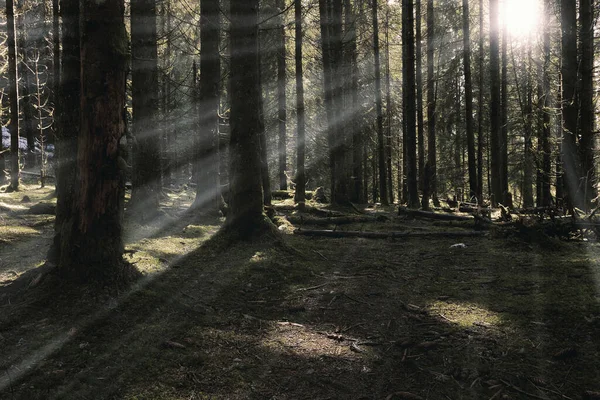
(312, 287)
(518, 389)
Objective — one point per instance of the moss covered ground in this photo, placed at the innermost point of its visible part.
(501, 317)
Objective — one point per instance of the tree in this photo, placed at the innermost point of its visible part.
(480, 110)
(409, 100)
(300, 134)
(544, 196)
(430, 185)
(383, 191)
(281, 99)
(586, 101)
(469, 100)
(67, 127)
(570, 162)
(419, 85)
(495, 123)
(93, 248)
(506, 198)
(144, 83)
(208, 194)
(246, 196)
(13, 94)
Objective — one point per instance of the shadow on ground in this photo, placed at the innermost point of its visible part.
(310, 318)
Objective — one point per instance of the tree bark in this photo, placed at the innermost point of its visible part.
(13, 94)
(480, 106)
(586, 99)
(409, 101)
(430, 186)
(506, 198)
(495, 121)
(528, 135)
(300, 128)
(144, 77)
(281, 99)
(472, 167)
(93, 250)
(419, 85)
(245, 187)
(383, 191)
(208, 194)
(544, 198)
(570, 162)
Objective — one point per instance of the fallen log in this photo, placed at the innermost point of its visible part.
(433, 215)
(385, 235)
(306, 220)
(286, 194)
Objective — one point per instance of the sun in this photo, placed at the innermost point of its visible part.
(520, 16)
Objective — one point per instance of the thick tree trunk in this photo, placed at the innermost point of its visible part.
(570, 162)
(383, 191)
(13, 94)
(409, 101)
(245, 187)
(94, 248)
(144, 76)
(472, 167)
(495, 120)
(300, 129)
(208, 194)
(586, 97)
(68, 123)
(528, 136)
(281, 99)
(388, 106)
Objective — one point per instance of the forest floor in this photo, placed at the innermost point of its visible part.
(501, 317)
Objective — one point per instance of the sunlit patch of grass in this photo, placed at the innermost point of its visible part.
(10, 233)
(465, 314)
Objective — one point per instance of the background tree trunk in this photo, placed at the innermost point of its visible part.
(300, 134)
(383, 191)
(13, 94)
(495, 120)
(472, 167)
(144, 76)
(281, 98)
(208, 194)
(409, 101)
(430, 187)
(506, 198)
(419, 85)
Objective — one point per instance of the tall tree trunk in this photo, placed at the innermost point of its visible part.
(94, 247)
(409, 100)
(300, 129)
(544, 104)
(570, 162)
(55, 76)
(472, 167)
(144, 77)
(281, 99)
(506, 198)
(495, 120)
(419, 83)
(354, 125)
(480, 110)
(13, 94)
(430, 186)
(26, 124)
(528, 131)
(586, 97)
(262, 138)
(68, 123)
(383, 191)
(325, 25)
(246, 196)
(208, 195)
(388, 105)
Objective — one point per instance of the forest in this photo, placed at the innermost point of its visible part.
(299, 199)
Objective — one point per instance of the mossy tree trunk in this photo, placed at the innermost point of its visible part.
(94, 247)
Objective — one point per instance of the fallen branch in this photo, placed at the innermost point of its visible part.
(433, 215)
(384, 235)
(305, 220)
